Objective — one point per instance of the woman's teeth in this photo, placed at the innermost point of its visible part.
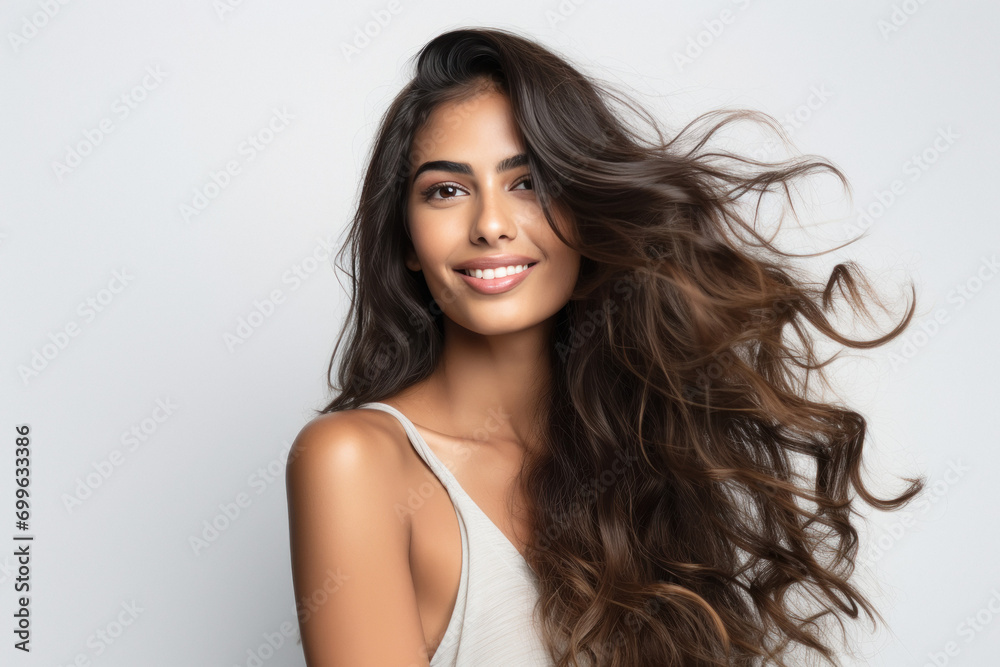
(499, 272)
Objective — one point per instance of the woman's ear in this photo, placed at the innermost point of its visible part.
(412, 263)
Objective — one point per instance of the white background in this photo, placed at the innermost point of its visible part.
(930, 397)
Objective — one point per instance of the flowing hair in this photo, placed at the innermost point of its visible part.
(692, 499)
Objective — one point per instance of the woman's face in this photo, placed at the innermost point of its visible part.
(462, 209)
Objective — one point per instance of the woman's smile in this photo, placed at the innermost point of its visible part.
(496, 281)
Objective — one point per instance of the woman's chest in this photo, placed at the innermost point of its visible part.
(488, 479)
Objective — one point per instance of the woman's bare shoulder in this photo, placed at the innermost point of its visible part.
(358, 438)
(345, 480)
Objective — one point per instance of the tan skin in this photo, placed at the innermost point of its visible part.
(350, 472)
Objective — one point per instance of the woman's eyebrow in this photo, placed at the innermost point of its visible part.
(465, 168)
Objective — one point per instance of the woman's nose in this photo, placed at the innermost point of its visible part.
(494, 218)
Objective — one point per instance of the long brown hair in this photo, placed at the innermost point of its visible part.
(693, 493)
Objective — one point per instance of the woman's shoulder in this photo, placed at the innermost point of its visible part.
(356, 441)
(345, 483)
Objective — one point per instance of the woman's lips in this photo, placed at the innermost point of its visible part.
(495, 285)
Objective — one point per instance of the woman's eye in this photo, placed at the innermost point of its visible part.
(448, 191)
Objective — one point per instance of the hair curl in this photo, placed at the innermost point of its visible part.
(691, 494)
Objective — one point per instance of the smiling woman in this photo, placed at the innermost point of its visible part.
(574, 421)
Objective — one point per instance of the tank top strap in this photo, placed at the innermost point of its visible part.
(493, 621)
(439, 469)
(463, 502)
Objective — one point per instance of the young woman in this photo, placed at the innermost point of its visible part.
(573, 424)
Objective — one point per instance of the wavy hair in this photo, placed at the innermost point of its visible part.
(693, 497)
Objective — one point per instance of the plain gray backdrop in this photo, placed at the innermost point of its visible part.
(174, 175)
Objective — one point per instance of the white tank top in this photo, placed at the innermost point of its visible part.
(492, 624)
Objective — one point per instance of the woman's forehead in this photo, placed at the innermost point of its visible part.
(469, 131)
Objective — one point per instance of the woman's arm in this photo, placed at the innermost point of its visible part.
(350, 550)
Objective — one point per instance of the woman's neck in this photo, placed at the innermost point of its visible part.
(488, 387)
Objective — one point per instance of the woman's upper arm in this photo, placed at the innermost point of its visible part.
(350, 548)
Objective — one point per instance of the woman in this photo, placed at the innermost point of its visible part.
(573, 424)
